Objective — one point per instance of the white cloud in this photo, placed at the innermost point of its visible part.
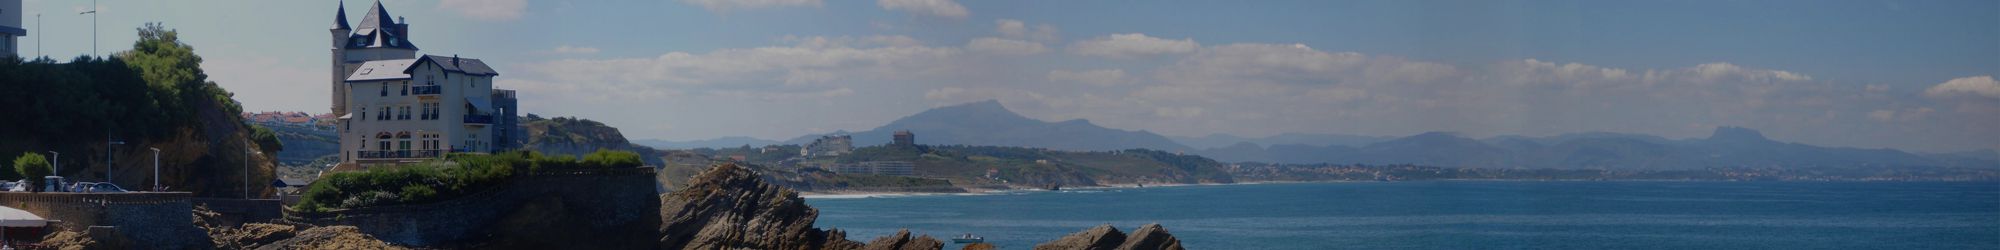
(1974, 86)
(939, 8)
(566, 49)
(1016, 29)
(1000, 46)
(1132, 45)
(725, 5)
(1102, 77)
(803, 68)
(486, 10)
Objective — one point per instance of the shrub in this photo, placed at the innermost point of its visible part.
(34, 166)
(458, 175)
(605, 158)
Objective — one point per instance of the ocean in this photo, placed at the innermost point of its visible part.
(1463, 215)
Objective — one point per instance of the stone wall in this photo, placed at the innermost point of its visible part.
(162, 220)
(235, 212)
(535, 208)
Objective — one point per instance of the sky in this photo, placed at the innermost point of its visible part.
(1911, 75)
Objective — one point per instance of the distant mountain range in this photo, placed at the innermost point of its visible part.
(987, 123)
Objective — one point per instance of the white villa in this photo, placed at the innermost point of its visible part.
(397, 107)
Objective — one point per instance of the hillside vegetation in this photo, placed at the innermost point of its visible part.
(152, 96)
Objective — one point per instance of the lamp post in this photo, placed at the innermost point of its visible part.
(93, 27)
(56, 166)
(109, 165)
(246, 168)
(156, 169)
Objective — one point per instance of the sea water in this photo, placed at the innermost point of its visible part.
(1463, 215)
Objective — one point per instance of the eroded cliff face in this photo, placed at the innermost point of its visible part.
(1148, 237)
(728, 207)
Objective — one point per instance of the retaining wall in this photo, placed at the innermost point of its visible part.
(163, 220)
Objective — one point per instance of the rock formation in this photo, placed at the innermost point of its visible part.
(902, 241)
(728, 207)
(1150, 236)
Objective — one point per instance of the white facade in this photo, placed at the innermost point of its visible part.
(397, 107)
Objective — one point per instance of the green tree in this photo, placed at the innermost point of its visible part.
(34, 166)
(266, 138)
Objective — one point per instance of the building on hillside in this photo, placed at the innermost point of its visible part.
(905, 138)
(10, 27)
(890, 168)
(395, 106)
(831, 145)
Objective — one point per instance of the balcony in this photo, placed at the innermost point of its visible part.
(399, 154)
(479, 119)
(427, 90)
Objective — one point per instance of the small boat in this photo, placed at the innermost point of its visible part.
(968, 238)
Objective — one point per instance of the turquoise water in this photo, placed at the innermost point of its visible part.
(1466, 215)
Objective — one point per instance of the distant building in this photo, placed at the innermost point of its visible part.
(905, 138)
(890, 168)
(827, 146)
(10, 27)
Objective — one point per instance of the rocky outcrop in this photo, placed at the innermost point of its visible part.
(330, 238)
(1150, 236)
(729, 207)
(979, 246)
(902, 241)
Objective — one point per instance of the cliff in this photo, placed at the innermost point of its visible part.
(1150, 236)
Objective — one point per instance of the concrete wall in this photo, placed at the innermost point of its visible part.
(593, 202)
(161, 220)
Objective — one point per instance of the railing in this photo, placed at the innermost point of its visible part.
(503, 93)
(427, 90)
(393, 154)
(479, 119)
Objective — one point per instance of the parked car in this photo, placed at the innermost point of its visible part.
(105, 187)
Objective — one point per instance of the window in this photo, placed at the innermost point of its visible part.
(385, 89)
(403, 113)
(385, 145)
(405, 87)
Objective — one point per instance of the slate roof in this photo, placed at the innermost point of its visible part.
(382, 70)
(467, 66)
(400, 68)
(377, 30)
(340, 17)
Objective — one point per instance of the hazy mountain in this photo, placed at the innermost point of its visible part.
(1226, 140)
(988, 123)
(1727, 147)
(729, 141)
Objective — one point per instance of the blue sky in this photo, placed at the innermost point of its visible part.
(1905, 74)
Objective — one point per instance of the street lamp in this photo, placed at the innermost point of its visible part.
(56, 166)
(93, 27)
(156, 168)
(246, 168)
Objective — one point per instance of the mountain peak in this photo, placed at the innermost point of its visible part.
(1737, 134)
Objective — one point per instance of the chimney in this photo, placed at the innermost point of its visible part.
(403, 28)
(454, 60)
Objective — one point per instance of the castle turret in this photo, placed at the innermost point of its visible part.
(339, 34)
